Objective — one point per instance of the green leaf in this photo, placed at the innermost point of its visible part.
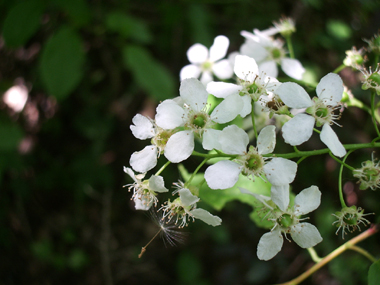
(338, 29)
(22, 22)
(128, 27)
(374, 273)
(10, 135)
(149, 74)
(61, 63)
(77, 11)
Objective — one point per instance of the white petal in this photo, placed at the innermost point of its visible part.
(246, 68)
(330, 89)
(292, 67)
(247, 108)
(179, 146)
(307, 200)
(298, 129)
(306, 235)
(266, 140)
(130, 172)
(211, 139)
(144, 160)
(228, 109)
(280, 196)
(206, 77)
(223, 69)
(219, 48)
(190, 71)
(234, 140)
(222, 89)
(169, 115)
(280, 171)
(197, 53)
(329, 138)
(223, 174)
(142, 204)
(269, 68)
(293, 95)
(206, 217)
(269, 245)
(143, 128)
(254, 50)
(156, 183)
(194, 93)
(187, 198)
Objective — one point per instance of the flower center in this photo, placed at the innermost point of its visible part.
(161, 139)
(206, 66)
(285, 220)
(276, 53)
(199, 121)
(350, 219)
(322, 113)
(374, 79)
(252, 162)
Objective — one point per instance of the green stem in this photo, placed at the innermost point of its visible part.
(348, 245)
(342, 162)
(373, 94)
(341, 197)
(313, 254)
(196, 170)
(253, 118)
(206, 155)
(339, 68)
(363, 252)
(162, 168)
(290, 45)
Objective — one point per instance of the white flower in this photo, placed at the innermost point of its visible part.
(145, 128)
(184, 208)
(251, 84)
(288, 222)
(206, 62)
(269, 53)
(193, 116)
(320, 112)
(233, 140)
(145, 191)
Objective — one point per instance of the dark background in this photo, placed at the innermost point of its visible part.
(90, 66)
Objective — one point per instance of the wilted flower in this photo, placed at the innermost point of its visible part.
(368, 174)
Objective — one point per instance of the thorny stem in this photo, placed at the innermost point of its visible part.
(143, 249)
(348, 245)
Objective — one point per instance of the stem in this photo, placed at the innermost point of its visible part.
(341, 197)
(290, 45)
(373, 112)
(339, 68)
(213, 155)
(348, 245)
(314, 255)
(342, 162)
(143, 249)
(162, 168)
(196, 170)
(363, 252)
(253, 118)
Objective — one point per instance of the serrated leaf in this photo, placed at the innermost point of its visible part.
(149, 74)
(22, 22)
(128, 27)
(61, 63)
(374, 273)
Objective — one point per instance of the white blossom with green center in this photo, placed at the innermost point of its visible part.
(288, 221)
(269, 53)
(191, 113)
(251, 85)
(233, 140)
(320, 112)
(145, 191)
(205, 63)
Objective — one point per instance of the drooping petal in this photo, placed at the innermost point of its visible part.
(228, 109)
(197, 53)
(292, 67)
(219, 48)
(142, 204)
(187, 198)
(280, 171)
(330, 89)
(305, 235)
(169, 115)
(280, 196)
(307, 200)
(329, 138)
(266, 140)
(223, 69)
(206, 217)
(194, 93)
(269, 68)
(190, 71)
(143, 128)
(246, 68)
(269, 245)
(222, 89)
(298, 129)
(130, 172)
(211, 139)
(293, 95)
(144, 160)
(156, 183)
(234, 140)
(179, 146)
(223, 174)
(247, 108)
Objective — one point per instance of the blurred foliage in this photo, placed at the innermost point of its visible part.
(89, 66)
